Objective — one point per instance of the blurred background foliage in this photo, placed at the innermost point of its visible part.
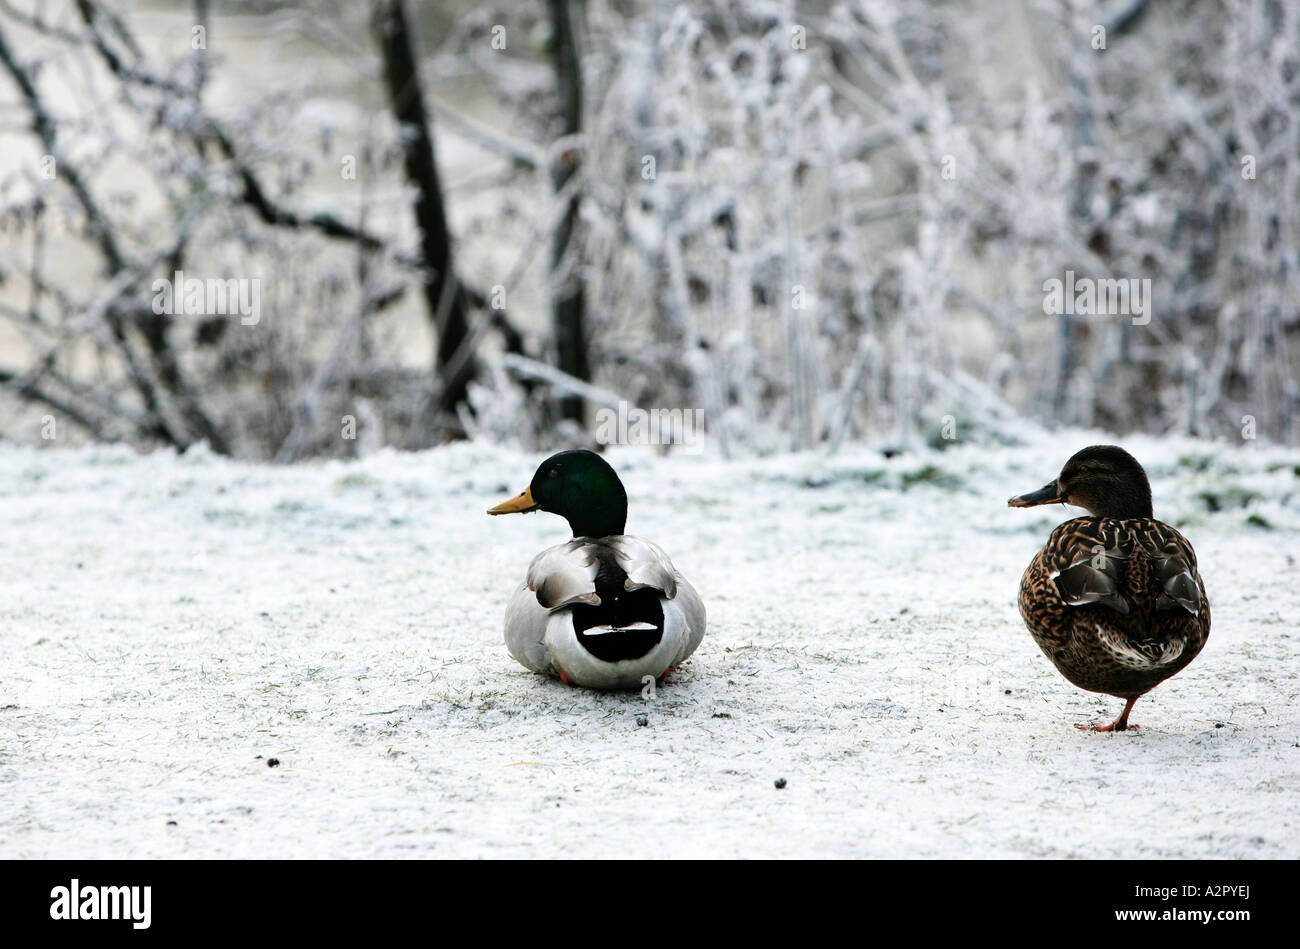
(817, 222)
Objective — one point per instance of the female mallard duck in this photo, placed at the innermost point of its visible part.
(606, 609)
(1114, 600)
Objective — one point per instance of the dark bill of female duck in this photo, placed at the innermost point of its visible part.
(1049, 493)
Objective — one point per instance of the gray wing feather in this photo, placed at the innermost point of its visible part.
(1093, 578)
(563, 575)
(646, 565)
(693, 616)
(526, 621)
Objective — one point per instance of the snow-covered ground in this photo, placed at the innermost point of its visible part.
(169, 624)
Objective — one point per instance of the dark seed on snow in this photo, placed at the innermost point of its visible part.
(171, 823)
(780, 783)
(1218, 724)
(642, 721)
(273, 762)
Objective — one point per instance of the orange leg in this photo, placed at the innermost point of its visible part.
(1119, 725)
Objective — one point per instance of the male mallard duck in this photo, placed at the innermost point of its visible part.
(606, 609)
(1114, 600)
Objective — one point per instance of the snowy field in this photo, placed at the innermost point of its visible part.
(171, 623)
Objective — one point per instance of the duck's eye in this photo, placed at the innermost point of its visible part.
(553, 473)
(1084, 469)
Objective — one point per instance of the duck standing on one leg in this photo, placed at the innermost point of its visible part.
(1114, 600)
(605, 609)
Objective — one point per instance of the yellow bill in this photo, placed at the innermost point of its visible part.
(520, 504)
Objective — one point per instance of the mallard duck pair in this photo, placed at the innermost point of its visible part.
(1113, 599)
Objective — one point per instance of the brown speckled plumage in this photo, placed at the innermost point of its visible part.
(1114, 600)
(1136, 564)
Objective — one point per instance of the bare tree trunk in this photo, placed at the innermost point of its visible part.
(443, 293)
(568, 307)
